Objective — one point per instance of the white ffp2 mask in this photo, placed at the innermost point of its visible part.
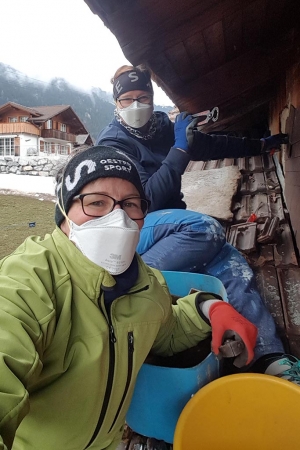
(109, 241)
(136, 115)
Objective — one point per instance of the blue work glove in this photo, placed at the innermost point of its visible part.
(183, 129)
(274, 142)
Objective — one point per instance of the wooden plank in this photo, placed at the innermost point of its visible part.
(244, 111)
(171, 18)
(170, 25)
(284, 251)
(181, 62)
(238, 76)
(295, 150)
(224, 82)
(293, 205)
(267, 283)
(197, 50)
(253, 22)
(294, 346)
(214, 40)
(232, 25)
(292, 125)
(159, 63)
(292, 168)
(289, 282)
(275, 9)
(292, 180)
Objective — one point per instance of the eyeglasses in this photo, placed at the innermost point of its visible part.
(98, 205)
(145, 99)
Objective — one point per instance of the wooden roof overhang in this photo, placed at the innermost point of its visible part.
(226, 53)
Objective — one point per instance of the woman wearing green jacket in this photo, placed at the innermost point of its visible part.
(80, 311)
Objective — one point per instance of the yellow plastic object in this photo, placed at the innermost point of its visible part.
(241, 412)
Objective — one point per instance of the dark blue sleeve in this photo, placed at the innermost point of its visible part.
(163, 186)
(211, 146)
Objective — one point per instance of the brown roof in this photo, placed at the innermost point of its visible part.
(47, 112)
(8, 105)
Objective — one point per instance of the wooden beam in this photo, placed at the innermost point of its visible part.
(247, 71)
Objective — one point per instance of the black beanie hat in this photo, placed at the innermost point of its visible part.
(89, 165)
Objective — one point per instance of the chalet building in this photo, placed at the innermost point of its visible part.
(41, 130)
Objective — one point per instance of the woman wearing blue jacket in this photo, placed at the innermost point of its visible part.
(174, 238)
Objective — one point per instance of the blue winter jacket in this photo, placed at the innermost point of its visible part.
(161, 166)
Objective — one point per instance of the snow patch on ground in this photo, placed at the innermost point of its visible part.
(27, 184)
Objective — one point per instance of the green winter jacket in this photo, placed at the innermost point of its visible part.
(67, 368)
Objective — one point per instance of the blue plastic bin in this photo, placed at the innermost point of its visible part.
(161, 393)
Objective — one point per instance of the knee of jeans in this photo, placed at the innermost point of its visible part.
(211, 228)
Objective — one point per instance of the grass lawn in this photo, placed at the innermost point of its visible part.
(16, 213)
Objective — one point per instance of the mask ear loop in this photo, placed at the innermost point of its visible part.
(62, 206)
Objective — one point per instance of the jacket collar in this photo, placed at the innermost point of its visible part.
(88, 275)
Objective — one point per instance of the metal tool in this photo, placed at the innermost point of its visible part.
(233, 347)
(210, 115)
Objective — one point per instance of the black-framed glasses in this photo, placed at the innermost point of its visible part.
(144, 99)
(98, 205)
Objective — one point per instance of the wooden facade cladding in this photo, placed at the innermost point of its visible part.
(285, 117)
(292, 182)
(19, 127)
(56, 134)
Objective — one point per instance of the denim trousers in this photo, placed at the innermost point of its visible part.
(188, 241)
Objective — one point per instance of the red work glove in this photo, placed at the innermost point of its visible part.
(224, 320)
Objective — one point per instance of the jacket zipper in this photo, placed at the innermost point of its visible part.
(129, 374)
(145, 288)
(111, 369)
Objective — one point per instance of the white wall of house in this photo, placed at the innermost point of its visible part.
(29, 145)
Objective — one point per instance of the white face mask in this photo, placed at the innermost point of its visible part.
(109, 241)
(136, 115)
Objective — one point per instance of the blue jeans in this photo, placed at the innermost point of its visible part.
(187, 241)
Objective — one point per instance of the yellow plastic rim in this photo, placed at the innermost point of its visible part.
(241, 412)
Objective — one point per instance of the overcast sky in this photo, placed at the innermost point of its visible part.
(61, 38)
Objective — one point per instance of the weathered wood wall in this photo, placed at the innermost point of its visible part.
(285, 117)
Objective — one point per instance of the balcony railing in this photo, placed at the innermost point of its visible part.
(56, 134)
(18, 127)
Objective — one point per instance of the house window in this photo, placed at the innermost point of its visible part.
(63, 149)
(12, 119)
(24, 118)
(47, 147)
(48, 125)
(63, 127)
(7, 147)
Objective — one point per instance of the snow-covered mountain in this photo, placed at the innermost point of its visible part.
(94, 108)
